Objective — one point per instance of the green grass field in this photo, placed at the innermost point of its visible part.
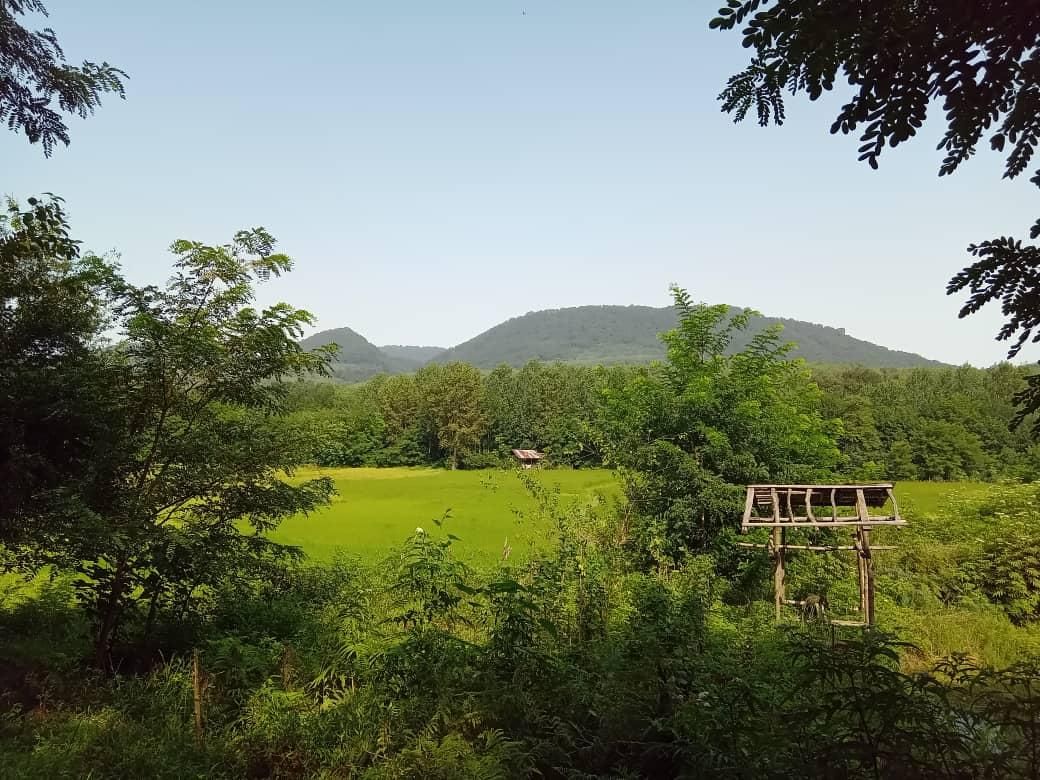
(377, 509)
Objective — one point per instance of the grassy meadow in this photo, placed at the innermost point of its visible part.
(378, 508)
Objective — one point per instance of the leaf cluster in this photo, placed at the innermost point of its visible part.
(34, 76)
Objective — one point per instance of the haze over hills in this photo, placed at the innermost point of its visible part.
(415, 354)
(592, 334)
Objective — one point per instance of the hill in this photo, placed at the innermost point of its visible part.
(590, 334)
(359, 358)
(629, 334)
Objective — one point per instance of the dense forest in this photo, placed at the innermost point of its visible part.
(932, 423)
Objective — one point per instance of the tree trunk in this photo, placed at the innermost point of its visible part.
(109, 620)
(152, 608)
(197, 689)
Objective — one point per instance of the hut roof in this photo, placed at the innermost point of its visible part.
(527, 455)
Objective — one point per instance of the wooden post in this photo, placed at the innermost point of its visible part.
(779, 540)
(861, 506)
(868, 577)
(196, 685)
(861, 573)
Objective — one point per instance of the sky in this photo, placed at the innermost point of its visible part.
(436, 168)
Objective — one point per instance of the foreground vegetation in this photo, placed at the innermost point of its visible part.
(155, 623)
(572, 664)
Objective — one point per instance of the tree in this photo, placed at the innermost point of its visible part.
(900, 462)
(194, 476)
(347, 431)
(34, 75)
(407, 441)
(54, 413)
(946, 451)
(451, 399)
(981, 59)
(691, 434)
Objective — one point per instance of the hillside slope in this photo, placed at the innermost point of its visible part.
(358, 358)
(629, 334)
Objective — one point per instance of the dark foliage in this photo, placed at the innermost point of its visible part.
(34, 76)
(54, 414)
(566, 667)
(979, 59)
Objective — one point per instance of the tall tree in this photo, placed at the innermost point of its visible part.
(54, 412)
(451, 397)
(195, 473)
(38, 87)
(407, 439)
(690, 435)
(980, 59)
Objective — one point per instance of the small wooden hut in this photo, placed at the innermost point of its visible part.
(528, 458)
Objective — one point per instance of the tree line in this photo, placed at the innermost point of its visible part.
(928, 423)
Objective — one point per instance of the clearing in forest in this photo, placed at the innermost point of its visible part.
(377, 509)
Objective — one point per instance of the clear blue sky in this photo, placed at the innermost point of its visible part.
(435, 168)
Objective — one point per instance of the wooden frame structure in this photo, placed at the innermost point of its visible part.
(780, 507)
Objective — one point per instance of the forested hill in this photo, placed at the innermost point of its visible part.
(590, 334)
(359, 359)
(629, 334)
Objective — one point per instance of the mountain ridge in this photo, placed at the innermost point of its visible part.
(618, 334)
(594, 334)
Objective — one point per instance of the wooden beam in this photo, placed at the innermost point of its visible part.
(775, 499)
(892, 498)
(865, 485)
(861, 506)
(808, 505)
(799, 522)
(749, 506)
(197, 687)
(813, 547)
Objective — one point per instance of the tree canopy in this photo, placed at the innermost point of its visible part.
(52, 309)
(152, 465)
(979, 60)
(38, 87)
(693, 433)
